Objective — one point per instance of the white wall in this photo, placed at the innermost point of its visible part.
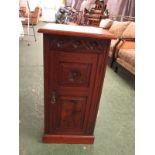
(49, 9)
(32, 3)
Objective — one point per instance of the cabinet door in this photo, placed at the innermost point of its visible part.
(71, 81)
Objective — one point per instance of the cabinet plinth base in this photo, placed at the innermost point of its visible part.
(68, 139)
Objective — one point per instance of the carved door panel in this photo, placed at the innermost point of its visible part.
(73, 76)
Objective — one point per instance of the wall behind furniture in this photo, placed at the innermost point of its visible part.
(49, 9)
(121, 7)
(115, 7)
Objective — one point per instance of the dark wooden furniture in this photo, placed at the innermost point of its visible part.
(94, 15)
(75, 60)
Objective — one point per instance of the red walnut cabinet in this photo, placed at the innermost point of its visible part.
(74, 67)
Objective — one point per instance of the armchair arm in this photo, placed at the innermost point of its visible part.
(128, 39)
(127, 43)
(115, 49)
(119, 43)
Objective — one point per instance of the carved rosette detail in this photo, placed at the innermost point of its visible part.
(74, 75)
(77, 43)
(60, 43)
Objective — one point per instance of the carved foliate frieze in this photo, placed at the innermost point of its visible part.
(75, 44)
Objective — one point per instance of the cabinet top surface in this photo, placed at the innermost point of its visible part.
(76, 30)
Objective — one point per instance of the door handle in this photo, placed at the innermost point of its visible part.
(53, 97)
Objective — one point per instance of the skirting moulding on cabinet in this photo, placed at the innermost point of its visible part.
(75, 59)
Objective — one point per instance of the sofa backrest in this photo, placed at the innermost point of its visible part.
(129, 32)
(120, 26)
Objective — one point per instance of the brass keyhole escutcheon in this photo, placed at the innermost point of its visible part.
(53, 97)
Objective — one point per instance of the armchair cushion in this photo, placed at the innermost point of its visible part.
(106, 23)
(118, 28)
(128, 55)
(126, 58)
(129, 32)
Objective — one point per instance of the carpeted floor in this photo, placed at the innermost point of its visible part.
(114, 129)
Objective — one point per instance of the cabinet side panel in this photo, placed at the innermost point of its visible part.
(47, 80)
(99, 80)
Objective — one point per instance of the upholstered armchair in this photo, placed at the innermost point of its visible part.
(122, 50)
(124, 54)
(33, 16)
(117, 28)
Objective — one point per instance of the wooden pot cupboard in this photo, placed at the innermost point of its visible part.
(75, 60)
